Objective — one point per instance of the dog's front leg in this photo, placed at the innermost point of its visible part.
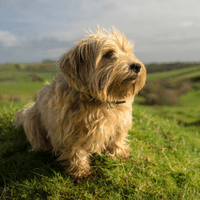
(78, 164)
(118, 146)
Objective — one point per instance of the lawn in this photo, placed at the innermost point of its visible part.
(164, 163)
(177, 74)
(20, 83)
(164, 160)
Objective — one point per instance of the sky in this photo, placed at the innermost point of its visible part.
(161, 30)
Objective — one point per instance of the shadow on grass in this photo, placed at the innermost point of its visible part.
(19, 163)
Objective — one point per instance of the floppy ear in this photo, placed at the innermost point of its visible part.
(69, 68)
(77, 65)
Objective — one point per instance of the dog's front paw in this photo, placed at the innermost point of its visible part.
(79, 173)
(115, 153)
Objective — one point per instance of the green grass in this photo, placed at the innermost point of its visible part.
(23, 75)
(191, 98)
(182, 115)
(28, 87)
(23, 91)
(21, 87)
(177, 74)
(164, 163)
(164, 159)
(190, 75)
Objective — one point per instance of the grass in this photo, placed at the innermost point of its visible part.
(15, 83)
(177, 74)
(28, 87)
(164, 159)
(181, 115)
(164, 163)
(191, 98)
(22, 76)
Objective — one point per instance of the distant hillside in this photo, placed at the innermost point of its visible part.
(168, 66)
(173, 87)
(191, 73)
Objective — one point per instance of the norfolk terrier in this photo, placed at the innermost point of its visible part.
(87, 108)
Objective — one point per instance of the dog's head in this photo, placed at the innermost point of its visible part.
(104, 66)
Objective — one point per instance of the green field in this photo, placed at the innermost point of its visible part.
(164, 159)
(193, 97)
(18, 83)
(177, 74)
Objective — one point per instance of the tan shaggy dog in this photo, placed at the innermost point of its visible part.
(87, 108)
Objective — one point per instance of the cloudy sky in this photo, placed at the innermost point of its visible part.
(162, 30)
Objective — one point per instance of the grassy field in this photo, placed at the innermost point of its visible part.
(192, 98)
(178, 74)
(21, 83)
(164, 159)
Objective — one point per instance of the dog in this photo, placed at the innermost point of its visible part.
(87, 108)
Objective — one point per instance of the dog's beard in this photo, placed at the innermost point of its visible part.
(121, 90)
(114, 84)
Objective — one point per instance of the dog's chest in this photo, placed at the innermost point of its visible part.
(109, 121)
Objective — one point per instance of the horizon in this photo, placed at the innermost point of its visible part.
(55, 61)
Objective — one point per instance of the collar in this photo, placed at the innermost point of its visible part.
(110, 103)
(116, 103)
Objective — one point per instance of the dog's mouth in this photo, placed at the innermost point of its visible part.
(130, 79)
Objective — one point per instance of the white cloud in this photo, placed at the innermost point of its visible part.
(187, 24)
(9, 39)
(47, 28)
(55, 53)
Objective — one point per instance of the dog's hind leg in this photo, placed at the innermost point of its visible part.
(36, 134)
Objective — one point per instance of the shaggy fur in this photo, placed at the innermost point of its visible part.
(87, 108)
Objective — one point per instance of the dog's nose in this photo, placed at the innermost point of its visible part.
(135, 67)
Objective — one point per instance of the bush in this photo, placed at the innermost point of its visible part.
(196, 79)
(168, 66)
(48, 61)
(14, 99)
(41, 67)
(12, 79)
(35, 78)
(35, 97)
(164, 92)
(17, 67)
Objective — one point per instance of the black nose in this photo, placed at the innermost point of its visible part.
(135, 67)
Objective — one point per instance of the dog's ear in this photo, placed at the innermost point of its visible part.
(69, 69)
(77, 65)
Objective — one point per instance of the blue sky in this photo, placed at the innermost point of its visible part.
(162, 31)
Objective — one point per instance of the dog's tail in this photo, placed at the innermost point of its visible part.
(19, 116)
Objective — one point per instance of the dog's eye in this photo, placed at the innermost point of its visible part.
(109, 54)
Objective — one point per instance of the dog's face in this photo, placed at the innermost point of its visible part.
(103, 65)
